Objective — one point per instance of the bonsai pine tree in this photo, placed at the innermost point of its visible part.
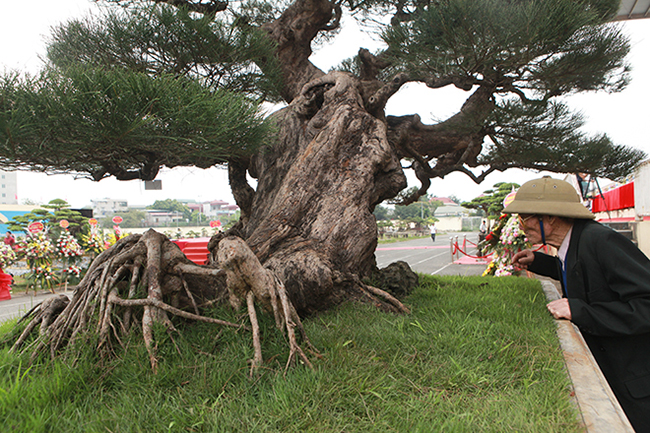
(176, 82)
(491, 201)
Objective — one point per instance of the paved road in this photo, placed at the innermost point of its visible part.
(423, 255)
(429, 257)
(20, 303)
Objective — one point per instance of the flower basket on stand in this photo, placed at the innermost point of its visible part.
(504, 241)
(69, 252)
(94, 241)
(38, 250)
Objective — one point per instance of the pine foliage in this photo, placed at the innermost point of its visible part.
(148, 85)
(219, 53)
(100, 122)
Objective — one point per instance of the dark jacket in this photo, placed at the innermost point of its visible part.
(608, 288)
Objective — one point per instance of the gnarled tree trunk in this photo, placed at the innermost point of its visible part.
(307, 235)
(311, 218)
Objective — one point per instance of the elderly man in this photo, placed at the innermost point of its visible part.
(605, 281)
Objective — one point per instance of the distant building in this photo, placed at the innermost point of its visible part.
(8, 187)
(451, 210)
(450, 214)
(109, 206)
(213, 208)
(161, 218)
(195, 207)
(219, 207)
(446, 201)
(448, 208)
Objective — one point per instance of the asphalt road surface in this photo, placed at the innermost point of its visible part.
(433, 258)
(422, 255)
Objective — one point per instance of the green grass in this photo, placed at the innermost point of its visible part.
(476, 354)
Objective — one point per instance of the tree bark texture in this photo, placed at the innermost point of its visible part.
(307, 234)
(143, 277)
(311, 218)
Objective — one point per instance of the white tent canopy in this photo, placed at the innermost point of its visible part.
(633, 9)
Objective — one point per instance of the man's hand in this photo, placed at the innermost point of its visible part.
(522, 259)
(560, 308)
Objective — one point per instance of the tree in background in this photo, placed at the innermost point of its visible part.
(131, 218)
(491, 201)
(61, 211)
(153, 85)
(421, 213)
(51, 215)
(53, 242)
(171, 205)
(19, 223)
(382, 213)
(419, 209)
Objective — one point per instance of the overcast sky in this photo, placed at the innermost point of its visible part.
(24, 26)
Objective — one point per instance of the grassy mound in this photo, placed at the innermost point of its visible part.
(475, 354)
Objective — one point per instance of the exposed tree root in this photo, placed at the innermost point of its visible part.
(110, 297)
(249, 281)
(387, 297)
(147, 278)
(43, 314)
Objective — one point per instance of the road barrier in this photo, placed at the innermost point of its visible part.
(457, 250)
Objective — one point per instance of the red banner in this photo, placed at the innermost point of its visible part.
(618, 198)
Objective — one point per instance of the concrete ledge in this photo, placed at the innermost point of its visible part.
(600, 411)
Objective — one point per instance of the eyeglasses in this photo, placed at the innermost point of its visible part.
(523, 218)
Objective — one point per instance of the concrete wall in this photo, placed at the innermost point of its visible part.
(614, 214)
(643, 236)
(450, 224)
(458, 223)
(642, 189)
(642, 206)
